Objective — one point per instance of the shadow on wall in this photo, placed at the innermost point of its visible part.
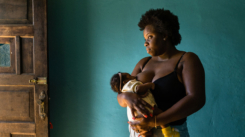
(69, 67)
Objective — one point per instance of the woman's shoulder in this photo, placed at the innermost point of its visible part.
(191, 59)
(190, 56)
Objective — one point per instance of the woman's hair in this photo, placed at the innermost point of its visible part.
(164, 22)
(115, 83)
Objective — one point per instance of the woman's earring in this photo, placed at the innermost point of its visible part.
(164, 39)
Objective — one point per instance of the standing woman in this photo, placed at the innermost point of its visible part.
(178, 77)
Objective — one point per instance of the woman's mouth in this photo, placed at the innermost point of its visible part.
(148, 50)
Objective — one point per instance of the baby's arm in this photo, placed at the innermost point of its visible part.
(143, 88)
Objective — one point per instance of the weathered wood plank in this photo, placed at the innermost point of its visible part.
(26, 55)
(16, 31)
(15, 79)
(40, 30)
(17, 54)
(18, 135)
(4, 134)
(27, 127)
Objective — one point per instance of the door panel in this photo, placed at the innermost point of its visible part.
(23, 56)
(16, 12)
(26, 55)
(17, 103)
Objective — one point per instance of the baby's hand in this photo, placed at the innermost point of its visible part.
(142, 89)
(142, 95)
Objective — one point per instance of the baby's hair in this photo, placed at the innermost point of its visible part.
(115, 83)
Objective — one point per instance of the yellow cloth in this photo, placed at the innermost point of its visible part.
(130, 86)
(170, 132)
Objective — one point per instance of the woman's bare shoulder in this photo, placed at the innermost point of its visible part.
(191, 57)
(192, 66)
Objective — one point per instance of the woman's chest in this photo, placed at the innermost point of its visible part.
(153, 72)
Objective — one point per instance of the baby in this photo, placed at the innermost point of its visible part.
(124, 82)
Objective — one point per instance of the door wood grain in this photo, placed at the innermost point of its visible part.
(23, 26)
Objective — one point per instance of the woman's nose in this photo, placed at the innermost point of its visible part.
(146, 44)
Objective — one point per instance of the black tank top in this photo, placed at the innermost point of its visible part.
(168, 91)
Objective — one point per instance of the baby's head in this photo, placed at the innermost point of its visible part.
(118, 80)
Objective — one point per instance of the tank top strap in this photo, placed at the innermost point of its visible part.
(178, 62)
(146, 63)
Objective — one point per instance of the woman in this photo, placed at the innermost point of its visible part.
(178, 76)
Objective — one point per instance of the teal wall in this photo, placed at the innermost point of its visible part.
(89, 40)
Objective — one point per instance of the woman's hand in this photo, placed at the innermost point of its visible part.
(142, 125)
(134, 102)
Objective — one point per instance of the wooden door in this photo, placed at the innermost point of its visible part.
(23, 56)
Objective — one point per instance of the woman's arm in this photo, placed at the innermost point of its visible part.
(193, 78)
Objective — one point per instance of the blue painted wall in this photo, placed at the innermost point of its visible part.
(89, 40)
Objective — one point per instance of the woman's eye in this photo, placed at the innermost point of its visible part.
(149, 37)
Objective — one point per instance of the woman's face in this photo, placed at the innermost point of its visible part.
(154, 42)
